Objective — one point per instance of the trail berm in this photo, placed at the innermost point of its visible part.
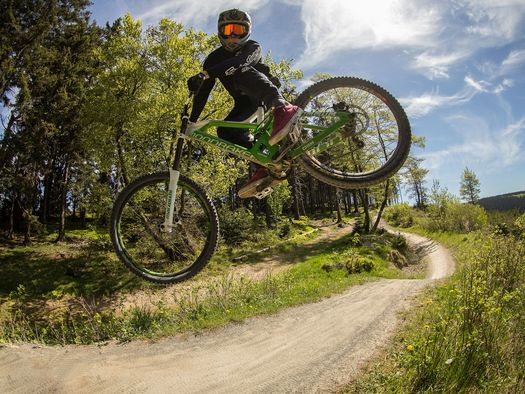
(311, 348)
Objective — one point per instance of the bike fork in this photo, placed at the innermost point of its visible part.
(170, 202)
(167, 226)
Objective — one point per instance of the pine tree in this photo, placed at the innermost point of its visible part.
(469, 187)
(50, 72)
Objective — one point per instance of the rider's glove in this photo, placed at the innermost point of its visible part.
(195, 82)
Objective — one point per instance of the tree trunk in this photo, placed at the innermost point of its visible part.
(120, 152)
(45, 199)
(27, 234)
(83, 217)
(364, 200)
(383, 205)
(63, 204)
(338, 206)
(74, 212)
(295, 195)
(312, 195)
(356, 203)
(48, 182)
(268, 214)
(345, 201)
(4, 142)
(26, 214)
(330, 193)
(11, 231)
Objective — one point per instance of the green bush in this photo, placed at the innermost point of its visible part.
(400, 215)
(457, 217)
(465, 218)
(354, 265)
(358, 265)
(285, 230)
(519, 223)
(236, 226)
(397, 259)
(399, 242)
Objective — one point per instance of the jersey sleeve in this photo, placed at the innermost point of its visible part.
(200, 99)
(249, 55)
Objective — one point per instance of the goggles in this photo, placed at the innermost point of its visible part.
(233, 28)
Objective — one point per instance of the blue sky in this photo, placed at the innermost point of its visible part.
(457, 66)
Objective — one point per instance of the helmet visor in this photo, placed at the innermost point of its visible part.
(233, 28)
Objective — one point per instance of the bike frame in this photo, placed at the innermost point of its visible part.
(261, 152)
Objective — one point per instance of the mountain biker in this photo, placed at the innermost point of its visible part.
(237, 65)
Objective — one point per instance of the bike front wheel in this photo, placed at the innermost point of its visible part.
(148, 251)
(370, 148)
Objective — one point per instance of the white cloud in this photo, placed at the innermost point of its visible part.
(419, 106)
(192, 12)
(435, 65)
(504, 85)
(514, 59)
(480, 86)
(493, 21)
(508, 66)
(502, 148)
(438, 34)
(488, 87)
(335, 25)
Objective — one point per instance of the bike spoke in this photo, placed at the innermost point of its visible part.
(154, 250)
(367, 147)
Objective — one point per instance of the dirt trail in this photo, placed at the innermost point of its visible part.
(256, 271)
(311, 348)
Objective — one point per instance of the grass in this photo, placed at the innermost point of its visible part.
(79, 268)
(467, 334)
(58, 293)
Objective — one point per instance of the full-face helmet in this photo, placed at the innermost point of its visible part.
(234, 28)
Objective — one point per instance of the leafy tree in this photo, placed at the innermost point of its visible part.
(414, 176)
(137, 98)
(439, 197)
(469, 187)
(49, 73)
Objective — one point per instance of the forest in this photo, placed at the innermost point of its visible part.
(87, 108)
(504, 202)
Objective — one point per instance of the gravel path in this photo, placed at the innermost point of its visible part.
(307, 349)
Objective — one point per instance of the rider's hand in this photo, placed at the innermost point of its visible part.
(195, 82)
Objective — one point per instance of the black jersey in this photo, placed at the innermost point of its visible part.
(222, 64)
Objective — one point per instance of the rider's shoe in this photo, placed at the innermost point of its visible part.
(261, 176)
(284, 118)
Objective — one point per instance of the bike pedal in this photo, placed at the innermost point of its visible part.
(263, 193)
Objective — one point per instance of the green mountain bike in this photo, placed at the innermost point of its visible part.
(351, 134)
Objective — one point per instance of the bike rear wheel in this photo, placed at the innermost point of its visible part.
(371, 148)
(155, 255)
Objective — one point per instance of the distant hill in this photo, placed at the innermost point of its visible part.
(504, 202)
